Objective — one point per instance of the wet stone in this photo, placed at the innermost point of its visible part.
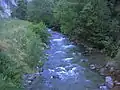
(104, 88)
(83, 60)
(116, 88)
(109, 82)
(92, 66)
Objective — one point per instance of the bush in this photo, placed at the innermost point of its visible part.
(20, 52)
(40, 10)
(40, 30)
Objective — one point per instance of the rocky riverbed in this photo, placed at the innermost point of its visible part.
(101, 63)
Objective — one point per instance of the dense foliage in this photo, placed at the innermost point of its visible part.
(20, 51)
(34, 11)
(21, 43)
(90, 21)
(20, 11)
(41, 31)
(40, 10)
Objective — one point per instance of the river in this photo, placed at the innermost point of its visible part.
(60, 73)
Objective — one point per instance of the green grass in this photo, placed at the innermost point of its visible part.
(20, 52)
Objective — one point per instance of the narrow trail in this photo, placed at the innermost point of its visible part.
(60, 73)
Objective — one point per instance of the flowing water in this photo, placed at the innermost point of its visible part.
(60, 73)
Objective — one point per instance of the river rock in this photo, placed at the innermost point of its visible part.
(109, 82)
(116, 88)
(79, 54)
(104, 88)
(117, 83)
(92, 66)
(83, 60)
(74, 53)
(104, 71)
(111, 64)
(32, 77)
(86, 53)
(55, 77)
(90, 50)
(117, 75)
(112, 69)
(29, 82)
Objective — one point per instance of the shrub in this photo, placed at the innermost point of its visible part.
(20, 52)
(41, 31)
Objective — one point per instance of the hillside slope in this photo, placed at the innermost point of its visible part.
(20, 51)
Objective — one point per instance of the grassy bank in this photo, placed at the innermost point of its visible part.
(21, 46)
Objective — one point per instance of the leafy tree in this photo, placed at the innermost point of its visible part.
(40, 10)
(89, 20)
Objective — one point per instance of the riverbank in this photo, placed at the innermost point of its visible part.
(99, 62)
(59, 71)
(21, 51)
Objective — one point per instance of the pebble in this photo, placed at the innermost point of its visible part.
(92, 66)
(29, 82)
(83, 60)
